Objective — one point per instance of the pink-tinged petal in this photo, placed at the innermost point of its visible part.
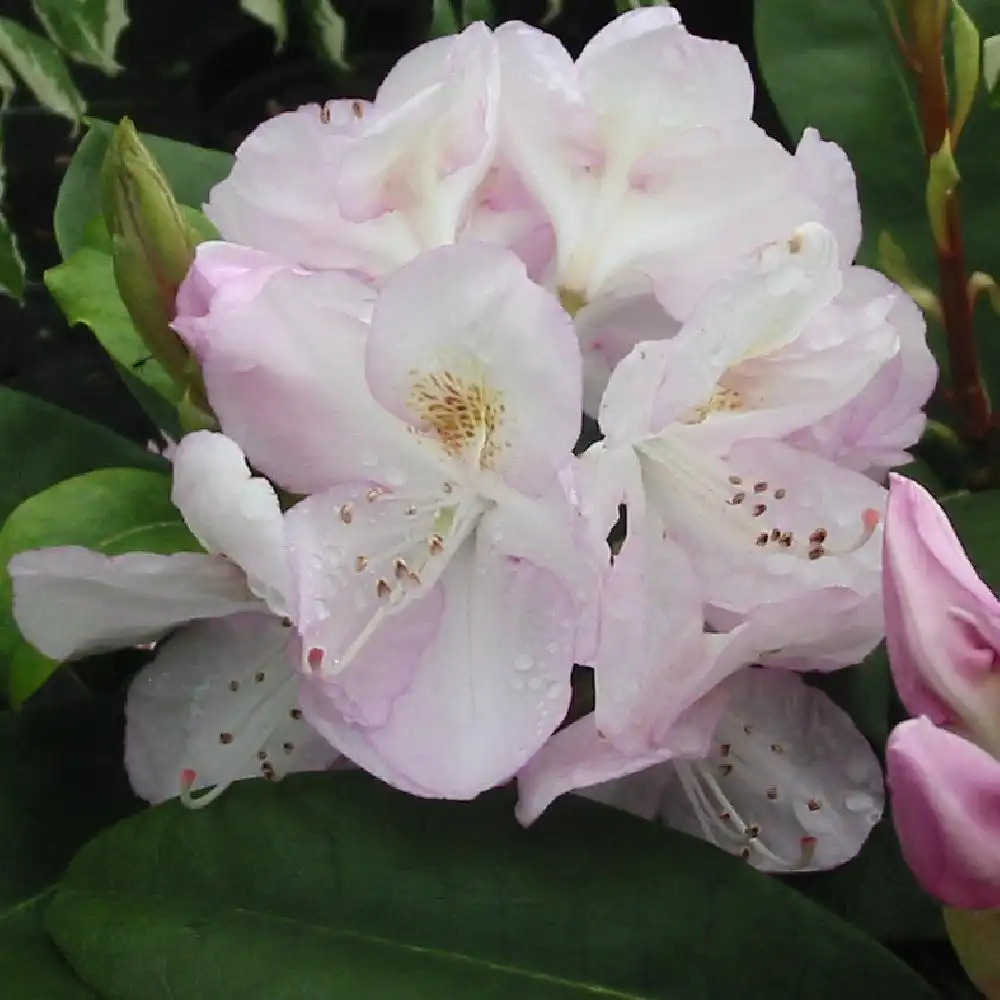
(791, 785)
(579, 759)
(71, 602)
(768, 523)
(644, 71)
(946, 807)
(281, 195)
(489, 689)
(222, 275)
(825, 174)
(942, 621)
(296, 351)
(464, 326)
(873, 430)
(219, 701)
(430, 139)
(233, 513)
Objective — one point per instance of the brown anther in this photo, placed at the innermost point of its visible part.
(288, 747)
(814, 805)
(760, 487)
(234, 685)
(725, 769)
(780, 493)
(262, 755)
(347, 513)
(748, 730)
(817, 552)
(745, 854)
(761, 539)
(448, 488)
(360, 564)
(296, 714)
(286, 622)
(259, 677)
(772, 793)
(777, 748)
(725, 749)
(759, 508)
(786, 540)
(736, 499)
(374, 493)
(436, 544)
(225, 737)
(725, 817)
(382, 588)
(818, 536)
(324, 115)
(400, 568)
(358, 109)
(775, 534)
(752, 831)
(268, 771)
(735, 480)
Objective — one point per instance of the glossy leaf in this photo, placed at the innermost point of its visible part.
(337, 886)
(110, 510)
(30, 964)
(443, 19)
(834, 64)
(86, 30)
(272, 14)
(329, 32)
(37, 62)
(191, 170)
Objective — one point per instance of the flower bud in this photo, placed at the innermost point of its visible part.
(152, 246)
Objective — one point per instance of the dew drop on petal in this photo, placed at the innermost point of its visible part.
(523, 662)
(858, 802)
(535, 683)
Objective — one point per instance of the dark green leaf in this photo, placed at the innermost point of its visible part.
(110, 510)
(30, 965)
(834, 64)
(11, 263)
(191, 170)
(337, 886)
(63, 781)
(86, 30)
(976, 517)
(52, 444)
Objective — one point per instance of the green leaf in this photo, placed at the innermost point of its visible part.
(53, 444)
(976, 517)
(63, 781)
(30, 964)
(109, 510)
(976, 937)
(191, 171)
(834, 64)
(85, 290)
(478, 10)
(991, 62)
(272, 14)
(86, 30)
(329, 32)
(553, 8)
(942, 179)
(623, 6)
(443, 19)
(337, 886)
(38, 63)
(966, 51)
(11, 263)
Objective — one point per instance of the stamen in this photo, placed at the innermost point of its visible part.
(187, 797)
(762, 539)
(400, 569)
(374, 493)
(315, 659)
(814, 805)
(347, 513)
(759, 508)
(436, 545)
(736, 499)
(324, 115)
(760, 487)
(382, 588)
(360, 564)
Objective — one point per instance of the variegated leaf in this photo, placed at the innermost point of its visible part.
(40, 66)
(86, 30)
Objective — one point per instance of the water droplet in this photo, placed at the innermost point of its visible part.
(394, 477)
(857, 802)
(553, 691)
(523, 662)
(858, 769)
(369, 459)
(535, 683)
(552, 647)
(517, 684)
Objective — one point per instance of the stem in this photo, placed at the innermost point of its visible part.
(970, 397)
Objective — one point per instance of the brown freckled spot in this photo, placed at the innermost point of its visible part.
(288, 747)
(234, 685)
(411, 509)
(748, 730)
(324, 115)
(761, 539)
(268, 771)
(760, 487)
(814, 805)
(373, 494)
(777, 748)
(400, 569)
(358, 109)
(725, 769)
(360, 563)
(745, 854)
(772, 793)
(286, 622)
(818, 536)
(735, 480)
(448, 488)
(225, 737)
(775, 534)
(296, 714)
(725, 817)
(780, 493)
(382, 588)
(259, 677)
(759, 508)
(752, 831)
(347, 513)
(726, 749)
(736, 499)
(786, 540)
(436, 544)
(262, 755)
(817, 552)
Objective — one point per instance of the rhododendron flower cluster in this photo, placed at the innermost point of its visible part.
(414, 304)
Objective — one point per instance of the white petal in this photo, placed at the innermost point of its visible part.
(232, 512)
(792, 786)
(71, 601)
(219, 700)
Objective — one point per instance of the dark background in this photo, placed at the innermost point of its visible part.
(205, 73)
